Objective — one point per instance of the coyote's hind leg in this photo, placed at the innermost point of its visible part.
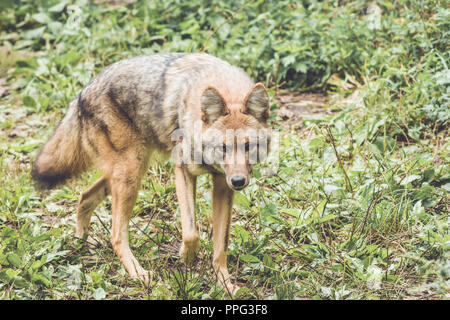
(89, 200)
(125, 182)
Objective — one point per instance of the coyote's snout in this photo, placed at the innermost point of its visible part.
(209, 114)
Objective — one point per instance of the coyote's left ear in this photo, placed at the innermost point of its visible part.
(257, 103)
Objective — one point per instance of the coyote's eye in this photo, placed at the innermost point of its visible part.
(249, 146)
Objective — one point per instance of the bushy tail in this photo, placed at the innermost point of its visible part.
(62, 156)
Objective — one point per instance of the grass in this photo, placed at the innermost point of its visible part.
(358, 208)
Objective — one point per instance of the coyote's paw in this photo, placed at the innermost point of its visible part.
(91, 243)
(231, 288)
(227, 285)
(143, 276)
(189, 250)
(88, 241)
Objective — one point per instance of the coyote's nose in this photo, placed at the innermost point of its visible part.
(238, 181)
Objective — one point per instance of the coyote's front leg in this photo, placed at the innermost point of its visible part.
(221, 219)
(185, 185)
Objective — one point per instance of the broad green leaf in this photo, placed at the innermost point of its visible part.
(249, 258)
(14, 260)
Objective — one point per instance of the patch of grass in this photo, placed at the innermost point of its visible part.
(358, 208)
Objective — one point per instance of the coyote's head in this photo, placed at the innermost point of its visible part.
(235, 134)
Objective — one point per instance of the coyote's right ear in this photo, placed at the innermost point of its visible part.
(257, 102)
(213, 106)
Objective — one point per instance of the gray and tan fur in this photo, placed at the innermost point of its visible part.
(131, 109)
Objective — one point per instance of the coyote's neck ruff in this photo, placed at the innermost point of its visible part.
(207, 113)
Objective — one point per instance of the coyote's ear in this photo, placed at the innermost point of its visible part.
(213, 106)
(256, 103)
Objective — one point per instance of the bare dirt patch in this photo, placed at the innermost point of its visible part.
(296, 106)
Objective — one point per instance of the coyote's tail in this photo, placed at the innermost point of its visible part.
(62, 156)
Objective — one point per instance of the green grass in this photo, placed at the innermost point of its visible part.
(359, 205)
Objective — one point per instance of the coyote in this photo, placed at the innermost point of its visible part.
(140, 105)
